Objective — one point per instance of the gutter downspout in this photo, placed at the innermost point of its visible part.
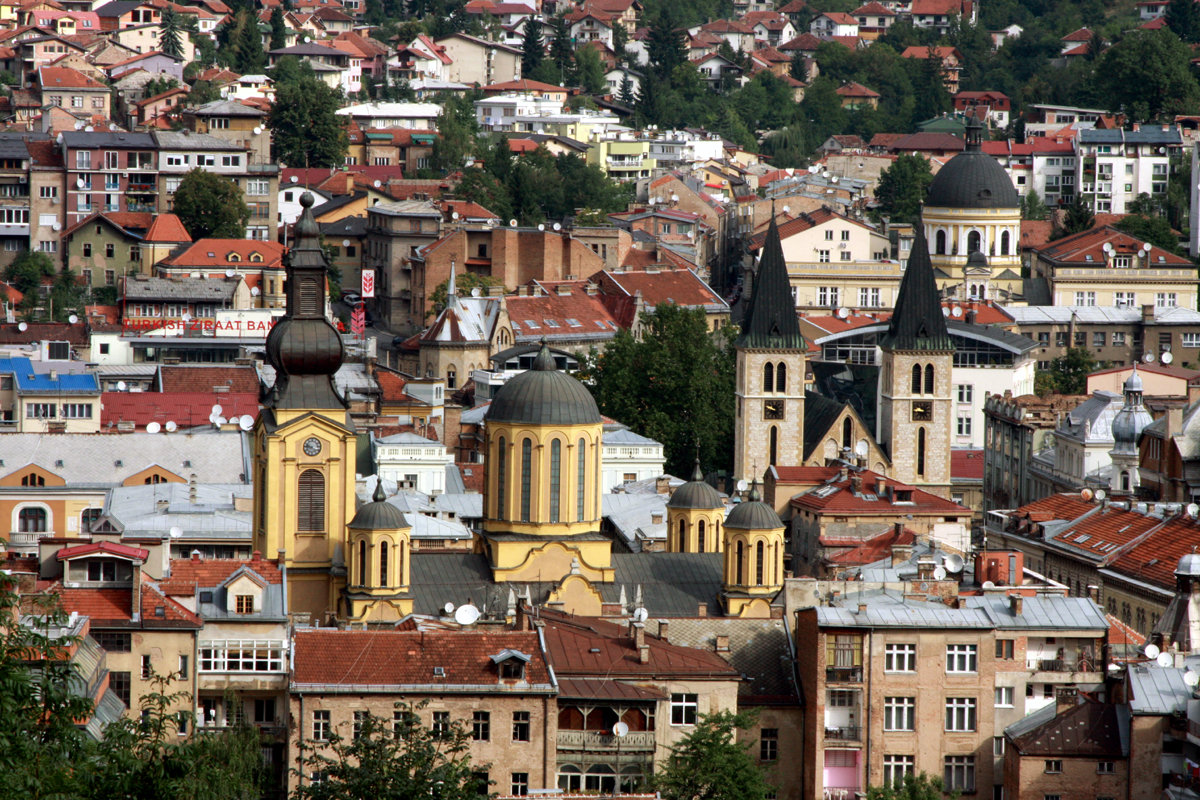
(546, 712)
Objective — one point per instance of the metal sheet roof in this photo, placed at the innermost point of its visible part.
(1157, 690)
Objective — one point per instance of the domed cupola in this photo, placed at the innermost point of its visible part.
(695, 514)
(696, 493)
(1133, 417)
(972, 179)
(303, 347)
(753, 563)
(543, 395)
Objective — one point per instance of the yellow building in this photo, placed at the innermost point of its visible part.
(695, 514)
(379, 569)
(623, 160)
(753, 563)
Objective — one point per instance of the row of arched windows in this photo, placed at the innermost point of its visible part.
(765, 566)
(363, 573)
(775, 377)
(701, 537)
(974, 242)
(917, 372)
(556, 474)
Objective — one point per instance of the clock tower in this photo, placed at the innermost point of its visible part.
(915, 403)
(769, 418)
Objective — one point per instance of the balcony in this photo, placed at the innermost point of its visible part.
(24, 539)
(147, 208)
(851, 734)
(144, 188)
(593, 740)
(1085, 664)
(843, 674)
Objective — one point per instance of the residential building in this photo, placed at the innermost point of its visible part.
(1115, 167)
(43, 400)
(996, 106)
(69, 88)
(938, 13)
(628, 458)
(413, 461)
(338, 68)
(1117, 336)
(479, 61)
(828, 24)
(1044, 164)
(258, 264)
(874, 19)
(413, 116)
(109, 172)
(855, 96)
(153, 302)
(1016, 427)
(682, 287)
(951, 60)
(106, 248)
(1079, 455)
(234, 122)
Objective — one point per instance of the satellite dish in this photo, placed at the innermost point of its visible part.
(257, 130)
(1148, 358)
(954, 563)
(78, 126)
(640, 615)
(939, 574)
(620, 730)
(541, 227)
(449, 608)
(787, 209)
(989, 585)
(187, 317)
(378, 184)
(24, 326)
(120, 384)
(826, 174)
(742, 485)
(176, 531)
(307, 39)
(1114, 668)
(295, 179)
(216, 411)
(72, 319)
(1101, 494)
(57, 226)
(153, 427)
(1193, 510)
(1167, 358)
(1151, 651)
(220, 421)
(1165, 659)
(862, 448)
(945, 312)
(80, 184)
(453, 215)
(59, 138)
(1086, 494)
(956, 312)
(834, 179)
(254, 292)
(674, 198)
(229, 273)
(512, 223)
(557, 226)
(843, 313)
(345, 242)
(466, 615)
(1191, 678)
(171, 426)
(1146, 247)
(245, 422)
(476, 292)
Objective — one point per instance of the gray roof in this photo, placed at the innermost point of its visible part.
(195, 290)
(212, 516)
(1121, 315)
(759, 648)
(1155, 690)
(1033, 721)
(972, 179)
(626, 436)
(227, 108)
(631, 516)
(185, 140)
(753, 515)
(543, 395)
(347, 226)
(87, 140)
(1091, 421)
(272, 603)
(405, 437)
(89, 459)
(1149, 134)
(885, 609)
(468, 506)
(308, 49)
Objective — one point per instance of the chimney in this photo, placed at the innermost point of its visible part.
(656, 519)
(1174, 423)
(1147, 314)
(662, 485)
(901, 553)
(880, 486)
(563, 291)
(1016, 604)
(662, 630)
(639, 634)
(256, 556)
(843, 473)
(722, 644)
(1137, 126)
(644, 654)
(862, 608)
(702, 610)
(195, 556)
(856, 484)
(593, 290)
(925, 569)
(522, 291)
(1065, 699)
(1094, 593)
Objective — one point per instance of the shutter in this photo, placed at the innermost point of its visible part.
(310, 507)
(309, 301)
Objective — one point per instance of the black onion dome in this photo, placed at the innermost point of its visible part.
(542, 395)
(696, 493)
(753, 514)
(972, 179)
(378, 515)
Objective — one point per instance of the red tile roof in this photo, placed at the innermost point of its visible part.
(805, 41)
(99, 604)
(177, 378)
(215, 252)
(844, 501)
(931, 142)
(839, 17)
(925, 52)
(523, 85)
(805, 221)
(1088, 248)
(1056, 506)
(167, 228)
(1121, 634)
(173, 614)
(856, 90)
(391, 388)
(570, 642)
(939, 7)
(66, 78)
(1081, 35)
(185, 409)
(872, 8)
(726, 26)
(408, 658)
(551, 312)
(681, 287)
(857, 553)
(208, 572)
(966, 464)
(807, 475)
(109, 548)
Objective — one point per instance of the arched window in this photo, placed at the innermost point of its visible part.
(774, 444)
(700, 537)
(940, 243)
(526, 476)
(310, 508)
(921, 451)
(33, 479)
(89, 516)
(1004, 239)
(32, 520)
(400, 565)
(156, 478)
(362, 562)
(739, 575)
(501, 475)
(768, 377)
(847, 433)
(781, 377)
(582, 469)
(758, 564)
(972, 242)
(682, 537)
(916, 380)
(383, 564)
(555, 477)
(929, 379)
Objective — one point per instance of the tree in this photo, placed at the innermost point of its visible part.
(561, 49)
(902, 188)
(305, 128)
(625, 96)
(665, 46)
(1183, 18)
(1068, 373)
(458, 133)
(533, 50)
(27, 270)
(1077, 218)
(798, 68)
(1095, 46)
(1148, 74)
(620, 40)
(1032, 207)
(589, 72)
(391, 760)
(464, 282)
(211, 206)
(251, 60)
(1150, 228)
(913, 787)
(709, 763)
(278, 29)
(674, 384)
(933, 99)
(169, 41)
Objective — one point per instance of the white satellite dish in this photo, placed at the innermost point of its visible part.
(120, 384)
(558, 226)
(88, 129)
(1191, 678)
(72, 319)
(862, 448)
(229, 273)
(640, 615)
(220, 421)
(449, 608)
(78, 126)
(466, 615)
(216, 410)
(956, 312)
(24, 326)
(512, 223)
(945, 312)
(620, 730)
(176, 531)
(1165, 659)
(186, 317)
(939, 574)
(1146, 247)
(1101, 494)
(843, 313)
(1148, 358)
(153, 427)
(1167, 358)
(245, 422)
(954, 563)
(171, 426)
(541, 227)
(453, 215)
(254, 292)
(345, 242)
(1193, 510)
(742, 485)
(57, 226)
(1086, 494)
(1114, 668)
(378, 184)
(787, 209)
(1151, 651)
(476, 292)
(295, 179)
(307, 39)
(674, 198)
(834, 179)
(79, 183)
(257, 130)
(989, 585)
(59, 138)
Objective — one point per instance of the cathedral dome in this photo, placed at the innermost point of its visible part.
(972, 179)
(696, 493)
(542, 395)
(378, 515)
(753, 514)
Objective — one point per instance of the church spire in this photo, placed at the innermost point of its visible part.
(451, 289)
(770, 322)
(918, 322)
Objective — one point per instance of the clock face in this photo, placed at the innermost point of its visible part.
(312, 447)
(922, 412)
(773, 409)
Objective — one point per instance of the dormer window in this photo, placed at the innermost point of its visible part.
(101, 570)
(511, 664)
(256, 257)
(245, 604)
(233, 257)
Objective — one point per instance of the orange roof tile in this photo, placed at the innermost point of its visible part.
(192, 378)
(167, 228)
(215, 252)
(843, 500)
(206, 572)
(66, 78)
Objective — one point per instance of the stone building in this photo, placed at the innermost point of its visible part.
(1015, 429)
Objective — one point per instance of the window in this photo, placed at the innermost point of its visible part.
(526, 476)
(899, 713)
(900, 658)
(580, 482)
(960, 773)
(1099, 339)
(311, 501)
(960, 713)
(206, 161)
(1124, 298)
(1085, 298)
(242, 655)
(961, 658)
(441, 724)
(869, 298)
(846, 256)
(33, 520)
(896, 768)
(48, 245)
(264, 710)
(966, 392)
(1054, 765)
(1004, 697)
(359, 718)
(231, 161)
(823, 256)
(768, 744)
(829, 236)
(1165, 299)
(1060, 338)
(83, 159)
(481, 726)
(1004, 648)
(183, 666)
(520, 730)
(48, 192)
(683, 709)
(520, 783)
(1191, 340)
(218, 123)
(321, 726)
(997, 746)
(827, 296)
(500, 476)
(1106, 768)
(147, 668)
(964, 425)
(120, 683)
(113, 642)
(555, 475)
(245, 604)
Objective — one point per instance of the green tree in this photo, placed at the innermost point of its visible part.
(27, 271)
(458, 133)
(533, 50)
(709, 763)
(211, 206)
(798, 68)
(932, 99)
(665, 46)
(589, 72)
(1032, 207)
(1183, 18)
(1148, 74)
(561, 49)
(1150, 228)
(464, 282)
(902, 188)
(620, 40)
(305, 128)
(1068, 373)
(650, 107)
(626, 96)
(1095, 46)
(1077, 218)
(913, 787)
(251, 60)
(388, 760)
(673, 384)
(169, 40)
(278, 29)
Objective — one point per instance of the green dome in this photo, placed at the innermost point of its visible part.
(542, 395)
(696, 493)
(753, 514)
(379, 515)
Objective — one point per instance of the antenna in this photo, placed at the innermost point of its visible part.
(245, 422)
(640, 615)
(121, 385)
(954, 563)
(176, 531)
(939, 574)
(620, 730)
(1191, 678)
(466, 615)
(153, 427)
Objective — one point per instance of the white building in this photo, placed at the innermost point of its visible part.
(1115, 166)
(289, 201)
(502, 112)
(412, 461)
(833, 23)
(628, 458)
(1083, 441)
(411, 116)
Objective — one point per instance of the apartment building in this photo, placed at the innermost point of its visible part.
(45, 400)
(1016, 427)
(1115, 335)
(1116, 166)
